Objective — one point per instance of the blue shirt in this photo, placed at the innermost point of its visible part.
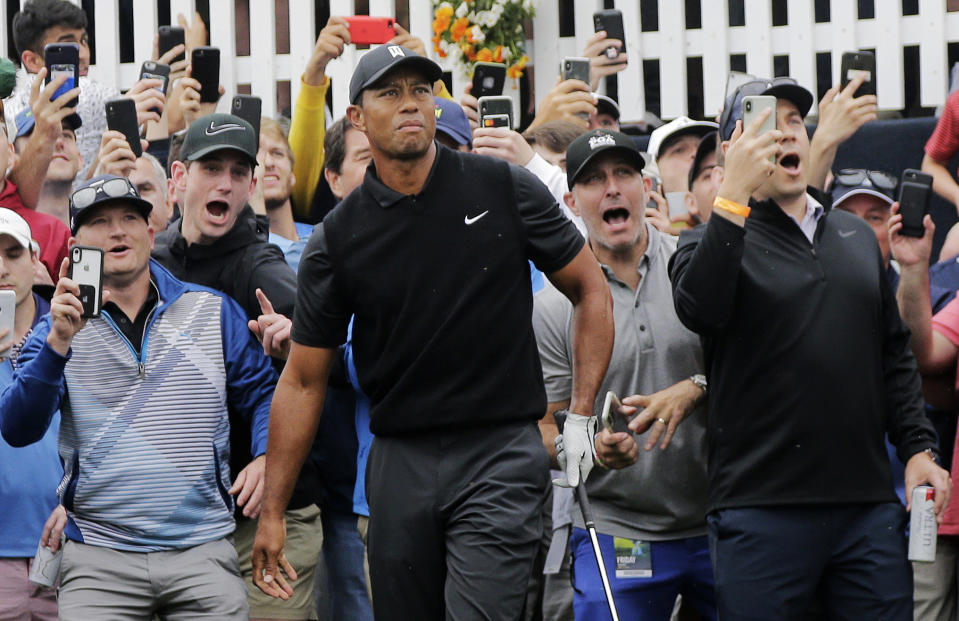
(293, 250)
(29, 477)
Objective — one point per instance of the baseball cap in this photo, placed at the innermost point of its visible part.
(606, 105)
(104, 189)
(706, 146)
(13, 224)
(377, 62)
(451, 120)
(850, 182)
(25, 122)
(780, 88)
(214, 132)
(596, 142)
(675, 129)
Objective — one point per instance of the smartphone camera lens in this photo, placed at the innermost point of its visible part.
(76, 254)
(749, 106)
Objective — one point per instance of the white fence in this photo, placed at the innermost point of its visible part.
(932, 29)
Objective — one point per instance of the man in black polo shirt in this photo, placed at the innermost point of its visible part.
(430, 255)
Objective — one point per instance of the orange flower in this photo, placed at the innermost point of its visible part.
(498, 54)
(484, 55)
(442, 19)
(459, 29)
(516, 71)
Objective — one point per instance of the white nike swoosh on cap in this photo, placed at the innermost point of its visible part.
(226, 127)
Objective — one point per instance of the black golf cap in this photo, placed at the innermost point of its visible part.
(104, 189)
(707, 145)
(378, 62)
(214, 132)
(780, 88)
(596, 142)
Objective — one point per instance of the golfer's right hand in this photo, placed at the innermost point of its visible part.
(575, 451)
(268, 558)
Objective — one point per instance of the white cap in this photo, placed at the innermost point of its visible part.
(682, 125)
(12, 224)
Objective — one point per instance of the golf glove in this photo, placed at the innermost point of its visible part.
(575, 451)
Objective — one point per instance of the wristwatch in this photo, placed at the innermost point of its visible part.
(934, 454)
(700, 380)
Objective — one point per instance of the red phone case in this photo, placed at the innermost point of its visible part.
(366, 30)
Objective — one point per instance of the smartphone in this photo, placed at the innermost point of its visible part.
(488, 79)
(63, 59)
(122, 117)
(205, 68)
(86, 270)
(367, 30)
(914, 192)
(496, 111)
(8, 307)
(156, 71)
(170, 37)
(753, 105)
(611, 418)
(856, 63)
(611, 20)
(657, 186)
(575, 68)
(735, 79)
(248, 108)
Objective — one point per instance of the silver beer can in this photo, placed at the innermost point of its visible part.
(45, 568)
(922, 525)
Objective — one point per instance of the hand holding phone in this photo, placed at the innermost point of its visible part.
(855, 64)
(753, 106)
(576, 68)
(63, 59)
(170, 37)
(122, 117)
(915, 188)
(496, 111)
(611, 21)
(613, 420)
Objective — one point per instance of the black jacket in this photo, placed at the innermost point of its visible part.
(808, 360)
(235, 264)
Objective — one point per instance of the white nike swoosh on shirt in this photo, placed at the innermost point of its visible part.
(469, 220)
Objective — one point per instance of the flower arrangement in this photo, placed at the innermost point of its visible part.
(471, 31)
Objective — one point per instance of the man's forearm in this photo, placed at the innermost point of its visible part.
(593, 334)
(821, 156)
(942, 182)
(912, 297)
(31, 169)
(294, 417)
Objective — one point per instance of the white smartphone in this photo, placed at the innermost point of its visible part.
(753, 106)
(8, 309)
(86, 270)
(611, 418)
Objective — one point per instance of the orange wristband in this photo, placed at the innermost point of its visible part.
(730, 206)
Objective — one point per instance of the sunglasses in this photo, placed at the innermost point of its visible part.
(855, 176)
(112, 188)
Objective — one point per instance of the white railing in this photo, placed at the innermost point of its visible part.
(932, 29)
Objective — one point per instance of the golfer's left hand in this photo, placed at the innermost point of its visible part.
(574, 449)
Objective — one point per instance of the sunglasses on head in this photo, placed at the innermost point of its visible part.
(112, 188)
(855, 176)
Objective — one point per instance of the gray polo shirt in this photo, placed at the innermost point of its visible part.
(663, 495)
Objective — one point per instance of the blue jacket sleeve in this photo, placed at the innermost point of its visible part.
(250, 377)
(28, 404)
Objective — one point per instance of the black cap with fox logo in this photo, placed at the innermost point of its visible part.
(214, 132)
(591, 144)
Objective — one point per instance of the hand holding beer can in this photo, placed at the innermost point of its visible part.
(922, 525)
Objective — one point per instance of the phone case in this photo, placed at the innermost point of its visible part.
(915, 190)
(86, 270)
(205, 68)
(61, 58)
(496, 111)
(170, 37)
(753, 105)
(8, 308)
(611, 20)
(248, 108)
(122, 117)
(488, 79)
(854, 63)
(576, 69)
(156, 71)
(367, 30)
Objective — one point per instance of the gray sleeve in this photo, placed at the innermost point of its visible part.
(552, 314)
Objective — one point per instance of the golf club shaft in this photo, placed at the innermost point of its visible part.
(591, 529)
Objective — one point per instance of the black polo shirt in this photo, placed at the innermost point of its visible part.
(134, 329)
(439, 286)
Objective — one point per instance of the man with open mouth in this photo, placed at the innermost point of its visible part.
(809, 368)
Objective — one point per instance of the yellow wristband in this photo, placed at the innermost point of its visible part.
(730, 206)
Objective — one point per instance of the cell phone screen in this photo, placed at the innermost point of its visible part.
(67, 70)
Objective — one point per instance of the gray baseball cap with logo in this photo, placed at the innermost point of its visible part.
(215, 132)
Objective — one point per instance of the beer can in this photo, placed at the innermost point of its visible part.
(922, 525)
(45, 568)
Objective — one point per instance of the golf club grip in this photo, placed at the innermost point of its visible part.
(584, 504)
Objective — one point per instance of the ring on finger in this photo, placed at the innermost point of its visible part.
(662, 420)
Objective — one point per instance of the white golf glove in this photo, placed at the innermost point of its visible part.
(575, 451)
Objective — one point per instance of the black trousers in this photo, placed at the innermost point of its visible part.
(770, 562)
(455, 521)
